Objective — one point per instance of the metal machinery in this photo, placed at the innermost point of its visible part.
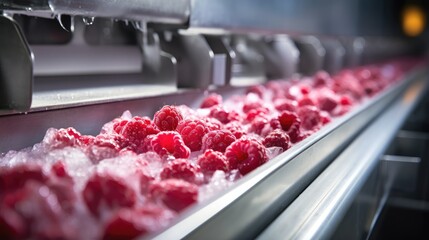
(81, 63)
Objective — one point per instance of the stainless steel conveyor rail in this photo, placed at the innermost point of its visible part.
(246, 209)
(317, 211)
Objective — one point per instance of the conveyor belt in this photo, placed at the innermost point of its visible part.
(250, 206)
(319, 209)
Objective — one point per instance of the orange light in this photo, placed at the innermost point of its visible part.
(413, 21)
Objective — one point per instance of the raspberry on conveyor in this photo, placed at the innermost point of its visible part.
(139, 173)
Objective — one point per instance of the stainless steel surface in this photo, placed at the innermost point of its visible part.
(16, 69)
(335, 55)
(246, 209)
(222, 60)
(354, 49)
(312, 54)
(404, 170)
(318, 210)
(163, 11)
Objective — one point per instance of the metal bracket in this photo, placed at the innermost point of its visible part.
(335, 55)
(312, 54)
(16, 67)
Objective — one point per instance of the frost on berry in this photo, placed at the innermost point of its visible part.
(217, 140)
(176, 194)
(167, 118)
(246, 155)
(170, 143)
(211, 100)
(180, 169)
(211, 161)
(277, 138)
(135, 132)
(105, 191)
(192, 132)
(132, 223)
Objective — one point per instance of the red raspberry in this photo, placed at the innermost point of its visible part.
(304, 89)
(192, 132)
(16, 177)
(180, 169)
(176, 194)
(251, 105)
(290, 123)
(106, 146)
(257, 89)
(59, 170)
(212, 123)
(223, 115)
(258, 112)
(104, 190)
(167, 118)
(38, 208)
(321, 79)
(119, 125)
(136, 130)
(277, 138)
(217, 140)
(132, 223)
(325, 118)
(235, 128)
(306, 101)
(12, 226)
(211, 161)
(310, 117)
(61, 138)
(170, 143)
(65, 194)
(211, 100)
(246, 155)
(286, 105)
(346, 100)
(327, 103)
(259, 126)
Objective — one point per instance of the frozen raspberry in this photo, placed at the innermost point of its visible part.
(107, 146)
(167, 118)
(223, 115)
(310, 117)
(259, 126)
(192, 132)
(119, 125)
(286, 105)
(321, 79)
(306, 101)
(212, 123)
(304, 89)
(211, 161)
(235, 128)
(257, 112)
(257, 89)
(249, 105)
(170, 143)
(217, 140)
(290, 123)
(59, 170)
(12, 226)
(246, 155)
(327, 103)
(135, 132)
(277, 138)
(346, 100)
(65, 194)
(211, 100)
(132, 223)
(176, 194)
(38, 209)
(16, 177)
(103, 190)
(325, 118)
(180, 169)
(60, 138)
